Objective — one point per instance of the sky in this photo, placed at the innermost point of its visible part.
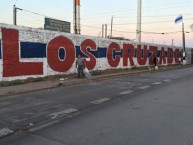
(157, 17)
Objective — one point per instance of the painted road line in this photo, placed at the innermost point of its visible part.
(168, 80)
(112, 86)
(63, 112)
(5, 132)
(156, 83)
(123, 88)
(144, 87)
(100, 101)
(43, 126)
(126, 92)
(94, 84)
(5, 103)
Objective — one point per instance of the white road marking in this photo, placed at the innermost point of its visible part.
(5, 103)
(144, 87)
(168, 80)
(93, 84)
(112, 86)
(63, 112)
(43, 126)
(156, 83)
(125, 83)
(126, 92)
(100, 101)
(5, 131)
(123, 88)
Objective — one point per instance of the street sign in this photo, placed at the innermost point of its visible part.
(57, 25)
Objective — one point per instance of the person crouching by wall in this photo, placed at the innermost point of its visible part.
(155, 60)
(80, 65)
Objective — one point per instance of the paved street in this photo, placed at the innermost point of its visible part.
(148, 109)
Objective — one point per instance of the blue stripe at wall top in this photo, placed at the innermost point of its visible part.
(100, 53)
(0, 50)
(33, 50)
(150, 54)
(38, 50)
(158, 53)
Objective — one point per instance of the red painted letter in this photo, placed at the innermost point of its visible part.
(113, 62)
(142, 60)
(177, 55)
(170, 55)
(53, 57)
(11, 64)
(153, 50)
(89, 44)
(128, 52)
(162, 56)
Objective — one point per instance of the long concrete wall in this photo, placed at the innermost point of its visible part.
(28, 52)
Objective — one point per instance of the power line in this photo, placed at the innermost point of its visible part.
(32, 16)
(114, 24)
(145, 32)
(144, 9)
(35, 13)
(15, 2)
(120, 31)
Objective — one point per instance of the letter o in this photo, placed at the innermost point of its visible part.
(53, 57)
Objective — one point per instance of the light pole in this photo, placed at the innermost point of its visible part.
(77, 16)
(184, 45)
(103, 30)
(112, 27)
(139, 11)
(15, 14)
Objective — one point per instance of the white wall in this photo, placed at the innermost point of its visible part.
(45, 36)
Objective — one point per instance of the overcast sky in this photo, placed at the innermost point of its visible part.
(157, 17)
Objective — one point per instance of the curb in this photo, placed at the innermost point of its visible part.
(100, 78)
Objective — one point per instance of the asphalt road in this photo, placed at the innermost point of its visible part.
(150, 109)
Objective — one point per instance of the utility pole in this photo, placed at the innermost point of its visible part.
(102, 30)
(139, 11)
(15, 14)
(183, 44)
(105, 30)
(77, 16)
(112, 27)
(78, 5)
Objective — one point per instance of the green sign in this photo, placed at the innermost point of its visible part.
(57, 25)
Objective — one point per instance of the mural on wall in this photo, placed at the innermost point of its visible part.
(27, 52)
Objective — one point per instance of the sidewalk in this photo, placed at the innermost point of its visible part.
(73, 80)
